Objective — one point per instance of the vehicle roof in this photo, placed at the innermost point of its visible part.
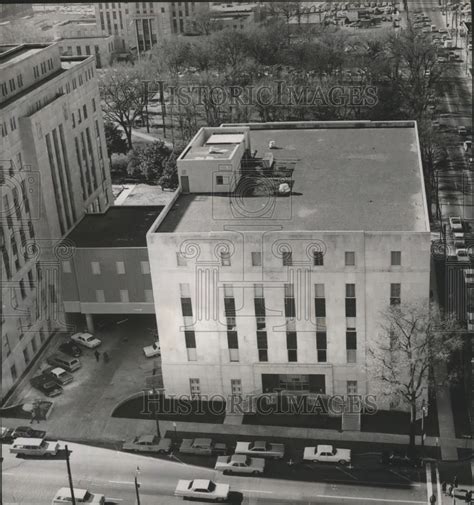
(65, 492)
(202, 441)
(146, 438)
(239, 458)
(28, 441)
(201, 483)
(259, 443)
(324, 448)
(58, 369)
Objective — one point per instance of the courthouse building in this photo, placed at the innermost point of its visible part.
(282, 247)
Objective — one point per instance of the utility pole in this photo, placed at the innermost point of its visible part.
(71, 487)
(163, 109)
(145, 84)
(155, 394)
(423, 411)
(137, 485)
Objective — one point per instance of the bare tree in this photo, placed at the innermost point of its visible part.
(414, 340)
(123, 96)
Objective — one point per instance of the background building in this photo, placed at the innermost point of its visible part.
(54, 169)
(81, 37)
(258, 290)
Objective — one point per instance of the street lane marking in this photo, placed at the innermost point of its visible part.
(347, 473)
(256, 491)
(121, 482)
(429, 485)
(388, 500)
(438, 485)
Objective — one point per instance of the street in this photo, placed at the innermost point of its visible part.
(34, 482)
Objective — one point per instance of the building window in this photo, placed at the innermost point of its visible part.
(350, 300)
(84, 110)
(351, 346)
(34, 347)
(180, 260)
(94, 108)
(100, 295)
(321, 346)
(287, 258)
(120, 265)
(233, 344)
(219, 180)
(351, 387)
(26, 356)
(66, 267)
(350, 260)
(318, 258)
(22, 289)
(186, 307)
(145, 267)
(236, 387)
(262, 346)
(14, 373)
(95, 266)
(225, 258)
(73, 118)
(190, 340)
(124, 296)
(291, 345)
(396, 258)
(319, 301)
(290, 306)
(195, 387)
(256, 259)
(395, 294)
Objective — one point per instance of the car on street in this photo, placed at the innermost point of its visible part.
(400, 459)
(240, 463)
(152, 350)
(462, 255)
(455, 223)
(467, 145)
(46, 385)
(202, 489)
(86, 339)
(34, 447)
(82, 496)
(28, 432)
(462, 130)
(68, 363)
(261, 448)
(148, 443)
(442, 30)
(327, 454)
(70, 348)
(59, 375)
(202, 447)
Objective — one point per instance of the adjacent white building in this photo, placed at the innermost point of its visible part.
(256, 289)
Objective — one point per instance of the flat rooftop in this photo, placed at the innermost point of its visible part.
(345, 179)
(12, 54)
(122, 226)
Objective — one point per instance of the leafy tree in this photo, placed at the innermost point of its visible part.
(169, 176)
(123, 96)
(413, 340)
(148, 160)
(115, 143)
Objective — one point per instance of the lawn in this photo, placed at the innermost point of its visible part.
(168, 409)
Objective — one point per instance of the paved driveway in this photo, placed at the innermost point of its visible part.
(83, 410)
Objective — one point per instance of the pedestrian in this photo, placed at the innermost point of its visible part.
(33, 416)
(455, 481)
(433, 499)
(97, 355)
(443, 486)
(469, 496)
(450, 490)
(106, 357)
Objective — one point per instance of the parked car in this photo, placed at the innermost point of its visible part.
(86, 339)
(70, 348)
(462, 255)
(66, 362)
(59, 375)
(240, 463)
(467, 145)
(34, 447)
(201, 446)
(152, 350)
(46, 385)
(28, 432)
(148, 443)
(261, 448)
(327, 454)
(462, 130)
(203, 489)
(400, 459)
(458, 235)
(455, 223)
(82, 496)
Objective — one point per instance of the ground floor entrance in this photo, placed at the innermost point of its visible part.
(297, 383)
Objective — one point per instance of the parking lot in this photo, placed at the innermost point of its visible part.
(98, 386)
